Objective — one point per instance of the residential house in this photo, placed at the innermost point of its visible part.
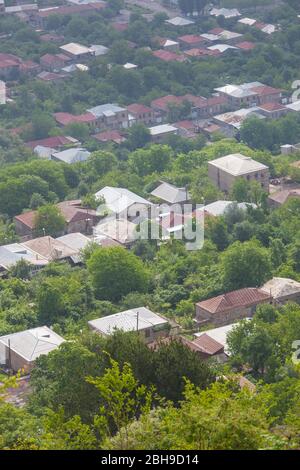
(170, 194)
(10, 255)
(140, 114)
(148, 324)
(231, 122)
(77, 51)
(178, 21)
(115, 137)
(57, 142)
(227, 13)
(250, 94)
(123, 203)
(224, 171)
(161, 132)
(77, 219)
(282, 290)
(273, 110)
(19, 351)
(52, 249)
(167, 44)
(219, 208)
(212, 344)
(72, 155)
(278, 198)
(168, 56)
(231, 306)
(54, 62)
(119, 231)
(110, 116)
(41, 17)
(65, 119)
(229, 37)
(189, 41)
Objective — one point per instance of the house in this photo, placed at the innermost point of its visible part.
(171, 194)
(168, 56)
(178, 21)
(226, 12)
(99, 50)
(65, 119)
(123, 203)
(231, 122)
(282, 290)
(20, 350)
(12, 254)
(110, 136)
(110, 116)
(54, 62)
(77, 51)
(72, 155)
(273, 110)
(76, 241)
(161, 132)
(213, 343)
(57, 142)
(191, 40)
(52, 249)
(250, 94)
(52, 77)
(281, 197)
(231, 306)
(223, 35)
(77, 219)
(206, 348)
(219, 208)
(225, 170)
(222, 48)
(167, 44)
(140, 114)
(121, 231)
(149, 325)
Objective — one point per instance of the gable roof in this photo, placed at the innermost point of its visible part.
(230, 300)
(170, 193)
(119, 199)
(72, 155)
(50, 248)
(207, 345)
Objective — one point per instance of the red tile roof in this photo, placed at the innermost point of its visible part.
(246, 45)
(238, 298)
(110, 136)
(137, 108)
(168, 56)
(272, 106)
(191, 39)
(164, 102)
(66, 118)
(52, 142)
(266, 90)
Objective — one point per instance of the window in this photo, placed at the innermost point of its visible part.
(147, 333)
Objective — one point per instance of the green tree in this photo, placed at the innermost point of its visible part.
(49, 221)
(245, 264)
(115, 272)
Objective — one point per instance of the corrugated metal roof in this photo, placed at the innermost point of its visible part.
(129, 320)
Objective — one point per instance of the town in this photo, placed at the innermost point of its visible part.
(126, 127)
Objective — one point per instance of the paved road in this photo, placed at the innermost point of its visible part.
(154, 6)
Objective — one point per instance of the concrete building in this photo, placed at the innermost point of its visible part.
(225, 170)
(159, 133)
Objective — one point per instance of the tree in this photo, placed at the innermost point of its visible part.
(150, 160)
(115, 272)
(245, 264)
(124, 399)
(49, 221)
(173, 363)
(139, 136)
